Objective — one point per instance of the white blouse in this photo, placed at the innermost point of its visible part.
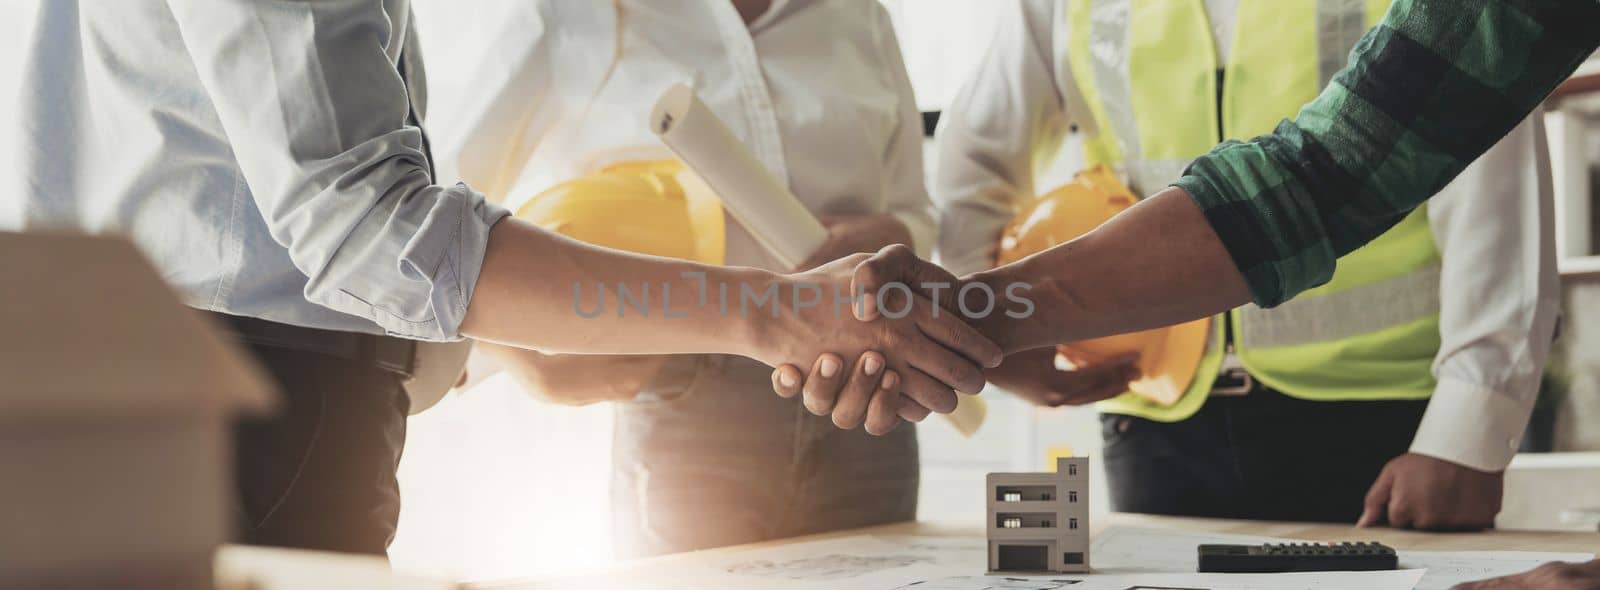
(816, 89)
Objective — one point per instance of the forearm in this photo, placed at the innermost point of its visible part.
(1386, 134)
(544, 291)
(1157, 264)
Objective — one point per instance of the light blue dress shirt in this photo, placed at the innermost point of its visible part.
(263, 154)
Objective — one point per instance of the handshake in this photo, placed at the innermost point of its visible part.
(915, 335)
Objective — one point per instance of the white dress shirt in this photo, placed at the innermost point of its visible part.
(265, 155)
(1499, 293)
(816, 88)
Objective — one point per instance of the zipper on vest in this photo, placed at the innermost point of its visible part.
(1227, 316)
(1221, 135)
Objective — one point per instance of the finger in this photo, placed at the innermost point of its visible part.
(911, 411)
(1048, 399)
(952, 369)
(1431, 517)
(851, 408)
(1095, 393)
(1400, 513)
(1096, 381)
(927, 391)
(882, 413)
(786, 380)
(822, 386)
(1069, 359)
(1425, 520)
(1126, 364)
(956, 334)
(1377, 501)
(1131, 373)
(898, 263)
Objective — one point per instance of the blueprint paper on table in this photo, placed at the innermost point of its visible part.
(931, 563)
(1129, 549)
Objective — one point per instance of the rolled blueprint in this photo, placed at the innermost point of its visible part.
(757, 200)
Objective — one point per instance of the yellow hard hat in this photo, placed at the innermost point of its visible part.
(651, 207)
(1168, 357)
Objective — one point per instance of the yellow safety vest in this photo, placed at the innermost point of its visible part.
(1147, 71)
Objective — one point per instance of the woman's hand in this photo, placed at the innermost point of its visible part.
(577, 379)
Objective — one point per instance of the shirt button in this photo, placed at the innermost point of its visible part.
(1512, 442)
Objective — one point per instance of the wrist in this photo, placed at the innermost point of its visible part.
(1028, 306)
(755, 332)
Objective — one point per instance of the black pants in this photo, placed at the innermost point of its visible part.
(1261, 456)
(320, 474)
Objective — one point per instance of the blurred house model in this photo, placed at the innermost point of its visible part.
(116, 408)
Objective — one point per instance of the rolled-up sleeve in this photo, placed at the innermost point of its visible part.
(1427, 91)
(319, 120)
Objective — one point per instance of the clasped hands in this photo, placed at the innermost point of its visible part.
(909, 357)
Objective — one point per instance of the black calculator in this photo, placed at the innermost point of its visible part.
(1296, 557)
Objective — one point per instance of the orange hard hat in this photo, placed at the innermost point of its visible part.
(1168, 357)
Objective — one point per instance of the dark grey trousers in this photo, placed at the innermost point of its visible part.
(321, 473)
(1261, 456)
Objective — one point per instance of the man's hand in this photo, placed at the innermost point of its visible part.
(1032, 375)
(932, 354)
(1418, 491)
(856, 234)
(1551, 576)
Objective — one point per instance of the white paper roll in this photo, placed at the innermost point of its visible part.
(757, 200)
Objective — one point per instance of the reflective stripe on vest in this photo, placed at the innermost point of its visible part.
(1147, 70)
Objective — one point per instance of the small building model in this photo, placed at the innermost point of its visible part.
(1039, 522)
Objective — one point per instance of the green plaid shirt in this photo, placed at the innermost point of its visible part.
(1435, 85)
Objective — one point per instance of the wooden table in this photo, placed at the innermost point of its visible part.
(1399, 539)
(268, 568)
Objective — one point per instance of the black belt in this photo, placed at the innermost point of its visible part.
(395, 355)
